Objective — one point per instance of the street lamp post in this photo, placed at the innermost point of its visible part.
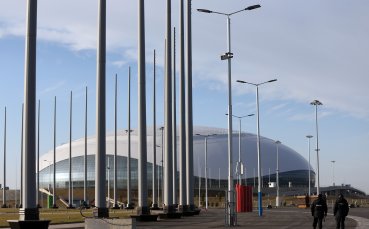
(228, 56)
(333, 173)
(206, 166)
(277, 174)
(239, 163)
(309, 137)
(260, 205)
(317, 103)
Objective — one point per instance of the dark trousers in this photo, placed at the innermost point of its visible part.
(319, 221)
(340, 222)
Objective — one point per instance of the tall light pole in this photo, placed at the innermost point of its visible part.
(239, 163)
(231, 218)
(206, 136)
(333, 173)
(309, 137)
(277, 143)
(260, 201)
(317, 103)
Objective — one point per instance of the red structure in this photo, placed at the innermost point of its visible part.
(244, 198)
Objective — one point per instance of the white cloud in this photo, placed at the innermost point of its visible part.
(52, 88)
(315, 49)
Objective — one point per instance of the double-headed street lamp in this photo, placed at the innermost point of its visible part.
(317, 103)
(260, 205)
(239, 163)
(231, 219)
(206, 166)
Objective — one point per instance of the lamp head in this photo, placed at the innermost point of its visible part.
(316, 103)
(204, 11)
(252, 7)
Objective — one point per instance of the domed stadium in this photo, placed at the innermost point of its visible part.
(293, 168)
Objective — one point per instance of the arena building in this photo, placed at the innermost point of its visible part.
(293, 168)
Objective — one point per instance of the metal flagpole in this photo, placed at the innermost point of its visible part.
(129, 202)
(85, 156)
(143, 209)
(174, 120)
(38, 156)
(21, 175)
(168, 169)
(182, 111)
(4, 164)
(54, 157)
(115, 206)
(70, 204)
(189, 121)
(154, 172)
(100, 159)
(30, 210)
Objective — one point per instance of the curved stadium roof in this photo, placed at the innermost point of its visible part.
(289, 160)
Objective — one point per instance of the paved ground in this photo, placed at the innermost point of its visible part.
(285, 218)
(274, 218)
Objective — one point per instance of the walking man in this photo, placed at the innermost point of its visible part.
(340, 211)
(319, 211)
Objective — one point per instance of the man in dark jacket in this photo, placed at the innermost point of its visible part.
(340, 211)
(319, 211)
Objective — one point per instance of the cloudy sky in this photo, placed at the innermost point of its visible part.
(316, 50)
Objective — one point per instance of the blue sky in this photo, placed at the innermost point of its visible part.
(316, 50)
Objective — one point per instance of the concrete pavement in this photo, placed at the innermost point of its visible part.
(283, 218)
